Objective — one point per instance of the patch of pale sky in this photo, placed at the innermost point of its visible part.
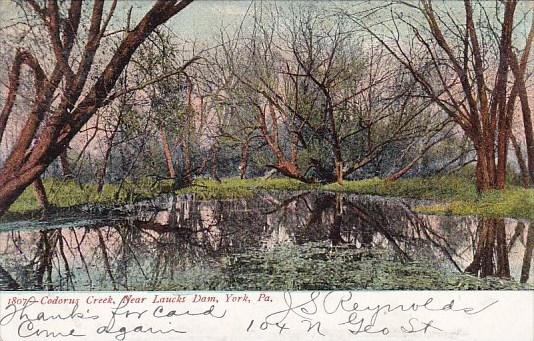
(203, 19)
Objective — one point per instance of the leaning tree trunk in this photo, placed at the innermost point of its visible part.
(525, 179)
(401, 172)
(529, 132)
(40, 194)
(167, 153)
(398, 174)
(519, 68)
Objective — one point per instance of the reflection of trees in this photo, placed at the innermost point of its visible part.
(491, 256)
(7, 281)
(105, 257)
(36, 269)
(527, 258)
(359, 221)
(374, 222)
(491, 250)
(157, 246)
(492, 245)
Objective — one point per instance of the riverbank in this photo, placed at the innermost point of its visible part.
(453, 195)
(68, 195)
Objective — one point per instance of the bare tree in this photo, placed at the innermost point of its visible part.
(323, 102)
(66, 98)
(464, 67)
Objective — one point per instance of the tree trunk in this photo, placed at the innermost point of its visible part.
(519, 68)
(339, 171)
(102, 173)
(167, 153)
(214, 164)
(188, 169)
(530, 149)
(529, 132)
(526, 115)
(243, 164)
(481, 174)
(65, 167)
(338, 158)
(485, 169)
(398, 174)
(285, 167)
(502, 157)
(12, 187)
(40, 194)
(525, 179)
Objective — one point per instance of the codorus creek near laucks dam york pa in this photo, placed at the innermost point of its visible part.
(266, 145)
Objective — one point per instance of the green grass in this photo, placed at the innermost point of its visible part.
(457, 195)
(454, 194)
(435, 188)
(68, 194)
(512, 202)
(233, 188)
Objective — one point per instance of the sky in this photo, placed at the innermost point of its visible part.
(200, 19)
(203, 19)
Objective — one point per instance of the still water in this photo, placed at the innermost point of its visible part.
(298, 241)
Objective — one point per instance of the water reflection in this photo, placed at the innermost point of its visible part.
(162, 242)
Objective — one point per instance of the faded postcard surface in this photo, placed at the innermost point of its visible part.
(220, 170)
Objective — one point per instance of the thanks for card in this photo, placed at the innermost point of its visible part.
(314, 315)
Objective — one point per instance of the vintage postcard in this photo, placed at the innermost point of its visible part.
(261, 170)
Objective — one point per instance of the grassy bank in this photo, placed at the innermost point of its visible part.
(67, 194)
(455, 195)
(233, 188)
